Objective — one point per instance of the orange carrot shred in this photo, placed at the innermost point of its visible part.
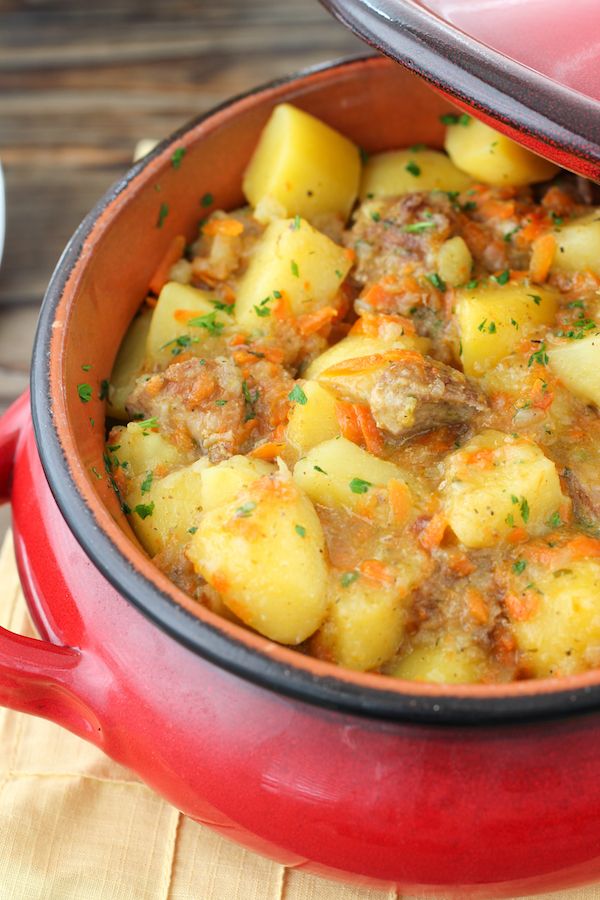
(477, 605)
(312, 322)
(433, 533)
(346, 415)
(371, 434)
(269, 450)
(542, 257)
(172, 254)
(377, 570)
(225, 227)
(400, 504)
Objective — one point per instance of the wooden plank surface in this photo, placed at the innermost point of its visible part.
(81, 83)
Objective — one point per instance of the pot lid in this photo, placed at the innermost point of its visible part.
(530, 68)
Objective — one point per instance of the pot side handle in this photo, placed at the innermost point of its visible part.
(35, 676)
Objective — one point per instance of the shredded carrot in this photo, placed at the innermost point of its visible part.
(183, 316)
(372, 437)
(517, 535)
(236, 340)
(269, 450)
(460, 564)
(541, 396)
(483, 458)
(282, 308)
(375, 361)
(372, 325)
(433, 533)
(312, 322)
(377, 570)
(498, 209)
(542, 257)
(477, 606)
(172, 254)
(522, 606)
(400, 500)
(345, 413)
(350, 254)
(376, 296)
(224, 227)
(580, 547)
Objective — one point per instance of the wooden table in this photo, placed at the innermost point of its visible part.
(81, 83)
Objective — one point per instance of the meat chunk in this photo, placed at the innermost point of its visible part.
(408, 393)
(584, 491)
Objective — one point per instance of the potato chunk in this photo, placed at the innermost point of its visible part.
(264, 554)
(454, 261)
(339, 473)
(558, 629)
(164, 509)
(303, 165)
(494, 319)
(398, 172)
(454, 659)
(312, 422)
(292, 263)
(491, 157)
(498, 482)
(183, 319)
(365, 624)
(577, 364)
(129, 364)
(578, 245)
(222, 483)
(141, 448)
(354, 346)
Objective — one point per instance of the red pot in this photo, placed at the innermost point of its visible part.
(474, 790)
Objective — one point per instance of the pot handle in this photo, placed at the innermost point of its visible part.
(35, 676)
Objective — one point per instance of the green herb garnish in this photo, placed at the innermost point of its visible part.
(413, 168)
(177, 157)
(85, 392)
(348, 578)
(297, 395)
(360, 486)
(163, 212)
(144, 509)
(147, 483)
(300, 529)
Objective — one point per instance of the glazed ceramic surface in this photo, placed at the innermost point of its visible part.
(464, 790)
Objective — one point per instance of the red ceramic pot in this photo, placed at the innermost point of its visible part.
(470, 791)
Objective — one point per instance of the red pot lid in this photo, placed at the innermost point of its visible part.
(530, 68)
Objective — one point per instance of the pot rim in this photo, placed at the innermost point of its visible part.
(232, 647)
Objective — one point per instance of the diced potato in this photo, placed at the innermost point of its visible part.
(297, 262)
(265, 554)
(497, 482)
(356, 345)
(578, 245)
(303, 165)
(454, 262)
(494, 319)
(223, 482)
(577, 364)
(129, 364)
(144, 449)
(454, 659)
(365, 624)
(404, 171)
(560, 634)
(491, 157)
(312, 422)
(339, 473)
(177, 305)
(164, 509)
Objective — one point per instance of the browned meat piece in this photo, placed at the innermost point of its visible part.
(408, 393)
(214, 405)
(584, 490)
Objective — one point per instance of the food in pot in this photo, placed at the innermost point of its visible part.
(360, 414)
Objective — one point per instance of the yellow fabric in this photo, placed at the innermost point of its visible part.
(76, 826)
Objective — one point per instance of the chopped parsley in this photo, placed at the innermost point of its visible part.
(220, 402)
(87, 367)
(364, 154)
(296, 223)
(524, 508)
(85, 392)
(519, 566)
(502, 278)
(510, 520)
(469, 206)
(224, 307)
(300, 529)
(184, 340)
(144, 509)
(208, 321)
(193, 529)
(207, 200)
(348, 578)
(575, 304)
(417, 227)
(436, 281)
(246, 509)
(148, 425)
(277, 295)
(177, 157)
(514, 323)
(536, 298)
(555, 520)
(319, 469)
(250, 399)
(413, 168)
(338, 273)
(376, 216)
(96, 472)
(104, 386)
(163, 212)
(490, 328)
(294, 268)
(455, 119)
(540, 357)
(471, 285)
(557, 220)
(360, 486)
(147, 483)
(297, 395)
(509, 234)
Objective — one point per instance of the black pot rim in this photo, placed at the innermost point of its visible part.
(208, 641)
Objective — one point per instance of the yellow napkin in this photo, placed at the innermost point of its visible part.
(76, 826)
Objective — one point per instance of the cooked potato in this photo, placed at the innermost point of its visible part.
(455, 658)
(353, 346)
(303, 165)
(365, 623)
(494, 319)
(578, 245)
(339, 473)
(129, 364)
(497, 482)
(558, 625)
(491, 157)
(170, 329)
(577, 364)
(143, 449)
(404, 171)
(223, 482)
(292, 263)
(264, 553)
(454, 262)
(312, 422)
(164, 509)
